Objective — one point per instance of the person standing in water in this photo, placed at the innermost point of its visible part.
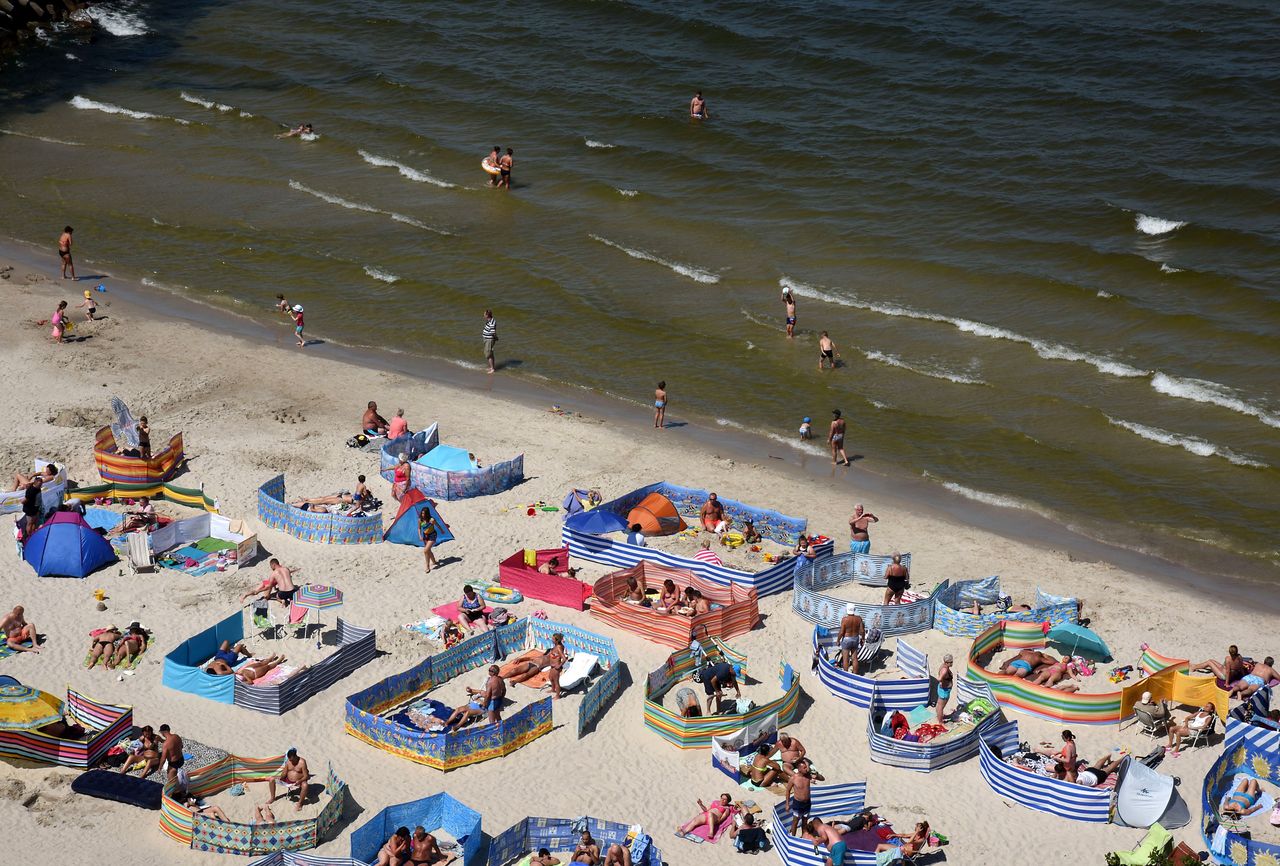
(698, 107)
(791, 312)
(660, 406)
(297, 325)
(836, 438)
(505, 164)
(490, 336)
(492, 160)
(64, 253)
(826, 351)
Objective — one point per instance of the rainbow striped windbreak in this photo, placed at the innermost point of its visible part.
(1018, 694)
(113, 466)
(117, 490)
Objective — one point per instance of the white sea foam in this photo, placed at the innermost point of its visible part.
(245, 114)
(41, 138)
(1046, 350)
(684, 270)
(71, 56)
(206, 103)
(809, 447)
(1169, 269)
(750, 345)
(1204, 391)
(1150, 225)
(92, 104)
(878, 404)
(591, 142)
(629, 193)
(366, 208)
(1193, 444)
(937, 373)
(985, 498)
(118, 22)
(405, 171)
(161, 222)
(1105, 295)
(380, 275)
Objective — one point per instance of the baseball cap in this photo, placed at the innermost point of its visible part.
(850, 609)
(807, 419)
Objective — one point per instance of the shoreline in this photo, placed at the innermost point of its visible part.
(896, 489)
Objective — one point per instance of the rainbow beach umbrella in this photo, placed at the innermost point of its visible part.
(23, 708)
(317, 597)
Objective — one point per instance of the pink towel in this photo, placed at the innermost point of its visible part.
(450, 611)
(721, 828)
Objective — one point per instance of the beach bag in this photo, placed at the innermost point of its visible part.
(499, 617)
(358, 441)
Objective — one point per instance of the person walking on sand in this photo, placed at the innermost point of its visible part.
(790, 301)
(490, 336)
(826, 351)
(698, 107)
(505, 164)
(64, 253)
(836, 438)
(660, 406)
(90, 303)
(297, 325)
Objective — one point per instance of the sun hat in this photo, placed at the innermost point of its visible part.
(850, 609)
(297, 308)
(88, 294)
(806, 419)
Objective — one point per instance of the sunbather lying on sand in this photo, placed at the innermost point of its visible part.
(250, 671)
(102, 642)
(1257, 678)
(1024, 662)
(335, 499)
(1051, 673)
(472, 709)
(1245, 799)
(525, 666)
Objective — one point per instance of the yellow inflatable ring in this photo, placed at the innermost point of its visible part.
(490, 169)
(734, 539)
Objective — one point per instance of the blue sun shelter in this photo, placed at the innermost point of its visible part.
(67, 546)
(439, 812)
(404, 529)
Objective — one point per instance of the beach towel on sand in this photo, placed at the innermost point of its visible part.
(1268, 802)
(721, 828)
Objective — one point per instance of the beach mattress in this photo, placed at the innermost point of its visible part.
(112, 785)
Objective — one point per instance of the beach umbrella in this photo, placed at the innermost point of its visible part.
(23, 708)
(317, 597)
(597, 522)
(1081, 640)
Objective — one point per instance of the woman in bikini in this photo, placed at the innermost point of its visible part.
(711, 817)
(1051, 674)
(148, 755)
(526, 667)
(102, 643)
(249, 672)
(912, 843)
(669, 598)
(129, 647)
(556, 657)
(1244, 799)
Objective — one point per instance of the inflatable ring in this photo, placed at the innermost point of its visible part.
(502, 595)
(492, 170)
(734, 539)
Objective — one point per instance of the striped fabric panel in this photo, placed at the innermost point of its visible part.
(356, 647)
(912, 662)
(314, 527)
(112, 466)
(1256, 752)
(828, 801)
(301, 858)
(857, 689)
(927, 757)
(1253, 737)
(696, 733)
(155, 490)
(1042, 793)
(868, 568)
(595, 548)
(810, 602)
(739, 613)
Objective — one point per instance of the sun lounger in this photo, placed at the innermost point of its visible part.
(140, 558)
(578, 670)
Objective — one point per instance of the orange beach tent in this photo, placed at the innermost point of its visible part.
(656, 516)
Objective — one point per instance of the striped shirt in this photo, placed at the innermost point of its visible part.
(708, 556)
(490, 331)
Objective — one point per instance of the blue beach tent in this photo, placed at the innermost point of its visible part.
(404, 529)
(66, 546)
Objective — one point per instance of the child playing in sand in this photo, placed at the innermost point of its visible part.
(90, 303)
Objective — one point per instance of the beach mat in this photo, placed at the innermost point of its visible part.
(196, 756)
(110, 785)
(6, 650)
(721, 828)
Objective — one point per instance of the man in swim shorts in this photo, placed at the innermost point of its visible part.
(698, 107)
(791, 312)
(1255, 679)
(293, 772)
(712, 515)
(826, 351)
(852, 631)
(836, 438)
(823, 833)
(371, 422)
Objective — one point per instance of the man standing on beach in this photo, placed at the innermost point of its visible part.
(836, 438)
(64, 252)
(490, 335)
(698, 107)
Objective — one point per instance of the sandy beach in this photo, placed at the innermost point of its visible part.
(249, 410)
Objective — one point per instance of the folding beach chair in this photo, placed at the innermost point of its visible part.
(1151, 726)
(1201, 737)
(140, 558)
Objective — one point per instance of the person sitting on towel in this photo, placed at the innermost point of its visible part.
(143, 517)
(471, 610)
(1067, 754)
(617, 855)
(1228, 670)
(372, 423)
(749, 533)
(146, 755)
(425, 849)
(687, 703)
(587, 850)
(912, 843)
(395, 852)
(791, 750)
(551, 566)
(635, 592)
(763, 770)
(748, 838)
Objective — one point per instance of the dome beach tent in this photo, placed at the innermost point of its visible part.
(67, 546)
(656, 515)
(404, 529)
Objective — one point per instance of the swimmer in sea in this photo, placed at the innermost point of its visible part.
(304, 129)
(698, 107)
(791, 312)
(492, 161)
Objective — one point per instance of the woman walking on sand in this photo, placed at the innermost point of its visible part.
(660, 406)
